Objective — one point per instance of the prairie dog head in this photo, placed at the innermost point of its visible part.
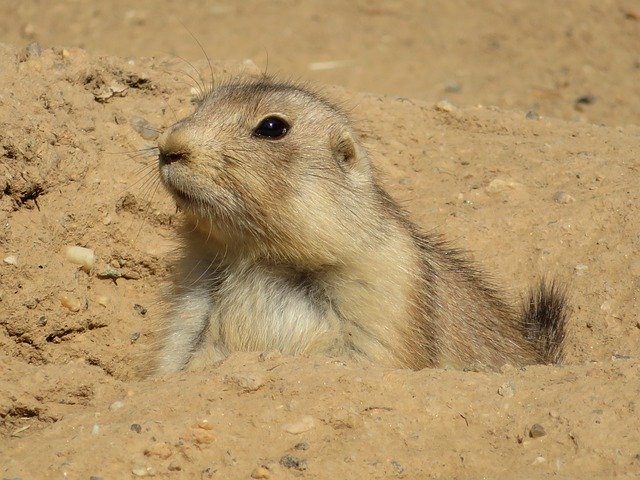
(270, 169)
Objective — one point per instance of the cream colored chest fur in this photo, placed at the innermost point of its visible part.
(247, 308)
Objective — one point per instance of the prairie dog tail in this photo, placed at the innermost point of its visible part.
(544, 319)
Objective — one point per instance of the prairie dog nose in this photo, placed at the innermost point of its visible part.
(174, 146)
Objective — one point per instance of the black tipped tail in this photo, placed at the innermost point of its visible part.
(545, 317)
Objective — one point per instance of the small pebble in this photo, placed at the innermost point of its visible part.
(42, 321)
(345, 418)
(304, 424)
(330, 65)
(539, 460)
(537, 431)
(134, 337)
(208, 472)
(136, 427)
(249, 382)
(261, 472)
(563, 198)
(29, 30)
(202, 436)
(144, 128)
(11, 260)
(270, 355)
(289, 461)
(620, 356)
(110, 272)
(160, 450)
(453, 87)
(580, 269)
(71, 303)
(95, 430)
(632, 14)
(397, 466)
(250, 67)
(301, 446)
(582, 102)
(31, 303)
(531, 115)
(104, 93)
(34, 49)
(85, 257)
(131, 275)
(585, 100)
(144, 472)
(506, 390)
(174, 466)
(498, 185)
(204, 425)
(445, 106)
(117, 405)
(140, 309)
(102, 300)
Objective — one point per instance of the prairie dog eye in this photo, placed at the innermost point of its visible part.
(271, 128)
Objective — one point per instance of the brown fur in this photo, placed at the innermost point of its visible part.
(291, 244)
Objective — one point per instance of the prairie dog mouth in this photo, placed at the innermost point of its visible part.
(182, 199)
(198, 201)
(168, 179)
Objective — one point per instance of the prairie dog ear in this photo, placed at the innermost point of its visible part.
(344, 149)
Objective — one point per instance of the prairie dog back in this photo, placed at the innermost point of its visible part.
(290, 243)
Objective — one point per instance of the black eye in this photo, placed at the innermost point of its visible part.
(272, 128)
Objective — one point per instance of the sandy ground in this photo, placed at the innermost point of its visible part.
(533, 165)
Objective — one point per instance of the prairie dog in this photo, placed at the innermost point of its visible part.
(290, 243)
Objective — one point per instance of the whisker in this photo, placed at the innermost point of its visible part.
(136, 153)
(266, 66)
(205, 56)
(175, 115)
(144, 178)
(199, 81)
(146, 211)
(200, 93)
(147, 184)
